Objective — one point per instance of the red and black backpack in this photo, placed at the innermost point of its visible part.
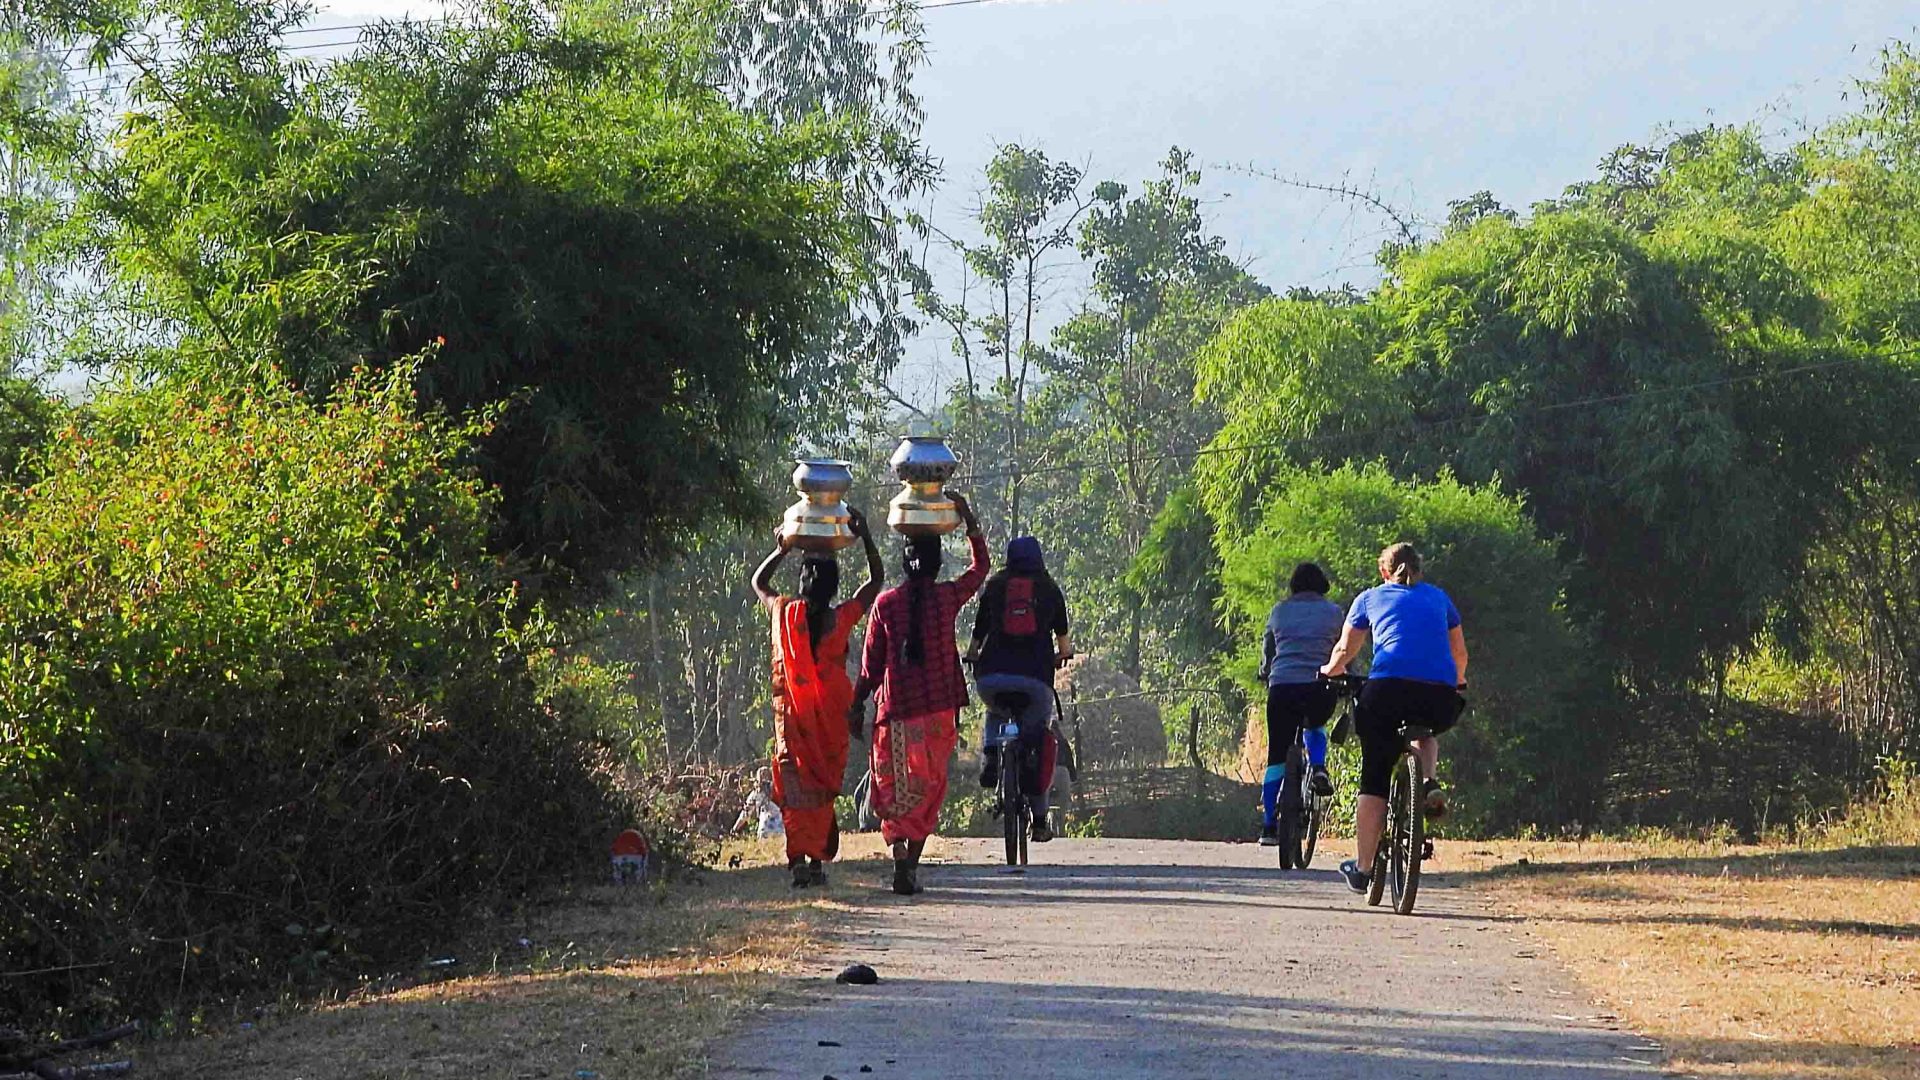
(1019, 609)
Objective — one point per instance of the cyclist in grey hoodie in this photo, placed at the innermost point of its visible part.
(1300, 631)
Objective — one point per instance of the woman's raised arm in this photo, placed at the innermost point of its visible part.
(763, 575)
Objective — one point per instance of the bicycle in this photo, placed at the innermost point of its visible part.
(1404, 843)
(1011, 803)
(1301, 814)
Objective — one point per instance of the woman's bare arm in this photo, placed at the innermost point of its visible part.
(1352, 640)
(876, 570)
(763, 575)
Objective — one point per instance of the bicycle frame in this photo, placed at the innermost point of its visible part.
(1301, 814)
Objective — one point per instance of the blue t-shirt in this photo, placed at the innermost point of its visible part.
(1409, 625)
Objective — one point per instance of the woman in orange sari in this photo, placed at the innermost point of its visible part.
(811, 695)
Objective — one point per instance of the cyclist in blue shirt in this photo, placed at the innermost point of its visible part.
(1419, 670)
(1300, 631)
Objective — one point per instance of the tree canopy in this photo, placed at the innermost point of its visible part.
(552, 199)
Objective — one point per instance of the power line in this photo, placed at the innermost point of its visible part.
(1297, 442)
(867, 13)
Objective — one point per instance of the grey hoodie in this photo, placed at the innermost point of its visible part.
(1301, 632)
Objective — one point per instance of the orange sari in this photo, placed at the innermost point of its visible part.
(811, 696)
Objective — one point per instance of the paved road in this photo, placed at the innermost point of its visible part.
(1123, 958)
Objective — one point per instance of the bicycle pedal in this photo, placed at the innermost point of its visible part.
(1426, 850)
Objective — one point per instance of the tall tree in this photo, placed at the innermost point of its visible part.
(794, 61)
(1027, 215)
(1162, 286)
(550, 199)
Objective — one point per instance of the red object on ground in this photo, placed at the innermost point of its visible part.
(630, 857)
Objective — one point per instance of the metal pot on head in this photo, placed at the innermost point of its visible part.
(819, 521)
(924, 463)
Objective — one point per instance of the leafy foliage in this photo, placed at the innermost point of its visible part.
(553, 192)
(1660, 399)
(1525, 753)
(1162, 286)
(259, 675)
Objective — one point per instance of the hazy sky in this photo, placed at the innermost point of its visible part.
(1424, 102)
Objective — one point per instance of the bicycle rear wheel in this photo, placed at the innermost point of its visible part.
(1310, 819)
(1293, 823)
(1009, 792)
(1408, 831)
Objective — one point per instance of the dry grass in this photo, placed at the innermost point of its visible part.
(615, 982)
(1742, 961)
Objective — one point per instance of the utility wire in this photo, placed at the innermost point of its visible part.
(867, 13)
(1296, 442)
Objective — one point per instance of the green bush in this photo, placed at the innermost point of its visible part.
(263, 711)
(1522, 754)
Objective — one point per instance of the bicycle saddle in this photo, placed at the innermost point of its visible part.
(1412, 732)
(1010, 701)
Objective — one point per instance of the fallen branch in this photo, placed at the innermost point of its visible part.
(39, 1063)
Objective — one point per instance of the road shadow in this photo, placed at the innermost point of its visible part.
(1087, 1032)
(1199, 887)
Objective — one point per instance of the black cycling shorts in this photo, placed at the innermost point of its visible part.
(1291, 706)
(1386, 706)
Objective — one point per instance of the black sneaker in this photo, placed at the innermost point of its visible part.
(989, 768)
(1322, 783)
(1435, 797)
(802, 874)
(1269, 836)
(1358, 880)
(816, 872)
(1041, 834)
(903, 877)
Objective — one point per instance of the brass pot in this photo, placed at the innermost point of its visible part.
(819, 521)
(924, 464)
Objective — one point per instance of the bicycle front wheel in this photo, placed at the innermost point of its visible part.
(1378, 887)
(1408, 832)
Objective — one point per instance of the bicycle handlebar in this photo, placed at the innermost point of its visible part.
(1343, 684)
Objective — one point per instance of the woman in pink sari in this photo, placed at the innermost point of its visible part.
(911, 658)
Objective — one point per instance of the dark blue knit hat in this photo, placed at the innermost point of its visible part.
(1024, 555)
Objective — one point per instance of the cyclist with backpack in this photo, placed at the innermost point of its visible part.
(1419, 671)
(1301, 632)
(1020, 635)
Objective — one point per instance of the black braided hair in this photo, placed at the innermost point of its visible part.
(819, 584)
(920, 558)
